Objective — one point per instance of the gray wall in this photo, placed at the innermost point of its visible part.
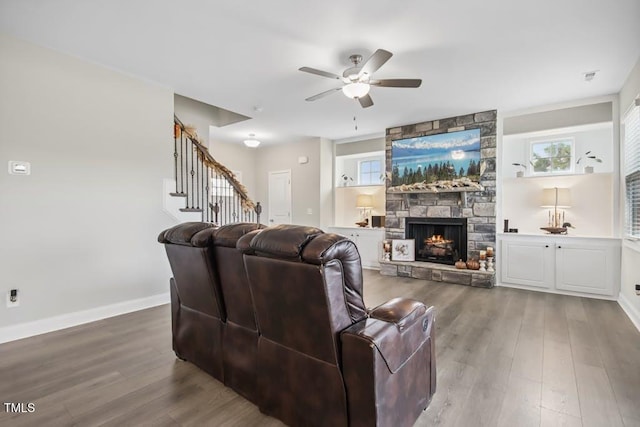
(80, 232)
(305, 178)
(357, 147)
(561, 118)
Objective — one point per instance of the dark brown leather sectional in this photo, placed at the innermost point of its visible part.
(277, 314)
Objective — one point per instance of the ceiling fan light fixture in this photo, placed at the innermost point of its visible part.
(356, 90)
(251, 142)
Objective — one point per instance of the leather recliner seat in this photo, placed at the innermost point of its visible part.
(322, 358)
(197, 307)
(240, 340)
(278, 315)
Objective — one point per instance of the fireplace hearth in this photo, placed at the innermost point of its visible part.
(441, 240)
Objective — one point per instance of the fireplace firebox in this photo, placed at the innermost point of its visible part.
(442, 240)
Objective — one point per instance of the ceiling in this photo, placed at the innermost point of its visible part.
(244, 55)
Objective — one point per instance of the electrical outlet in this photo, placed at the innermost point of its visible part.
(12, 298)
(637, 289)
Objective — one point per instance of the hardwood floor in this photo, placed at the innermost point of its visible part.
(506, 357)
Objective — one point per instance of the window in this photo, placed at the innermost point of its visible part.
(552, 156)
(631, 129)
(370, 172)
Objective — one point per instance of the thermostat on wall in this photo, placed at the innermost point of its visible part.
(17, 167)
(303, 160)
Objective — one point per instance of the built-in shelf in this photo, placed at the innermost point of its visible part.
(360, 186)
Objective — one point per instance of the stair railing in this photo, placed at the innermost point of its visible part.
(206, 184)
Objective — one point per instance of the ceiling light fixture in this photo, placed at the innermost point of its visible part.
(251, 142)
(356, 89)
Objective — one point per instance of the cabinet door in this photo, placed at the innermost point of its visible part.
(528, 263)
(370, 247)
(368, 241)
(585, 268)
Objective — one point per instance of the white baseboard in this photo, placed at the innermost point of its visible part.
(55, 323)
(631, 311)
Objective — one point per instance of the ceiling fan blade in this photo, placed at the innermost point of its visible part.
(320, 73)
(375, 61)
(365, 101)
(323, 94)
(396, 82)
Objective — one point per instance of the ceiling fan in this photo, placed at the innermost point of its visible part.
(357, 79)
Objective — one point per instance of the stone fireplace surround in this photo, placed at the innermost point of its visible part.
(478, 207)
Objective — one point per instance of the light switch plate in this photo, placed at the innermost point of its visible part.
(17, 167)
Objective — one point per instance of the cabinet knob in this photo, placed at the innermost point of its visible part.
(559, 247)
(546, 246)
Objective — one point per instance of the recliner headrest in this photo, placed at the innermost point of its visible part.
(198, 234)
(284, 240)
(228, 235)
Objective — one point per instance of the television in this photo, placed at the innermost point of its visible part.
(452, 157)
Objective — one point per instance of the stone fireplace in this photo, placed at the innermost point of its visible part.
(471, 209)
(440, 240)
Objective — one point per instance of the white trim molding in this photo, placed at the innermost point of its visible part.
(632, 312)
(55, 323)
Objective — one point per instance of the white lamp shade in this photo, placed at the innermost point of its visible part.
(252, 143)
(549, 197)
(356, 90)
(364, 201)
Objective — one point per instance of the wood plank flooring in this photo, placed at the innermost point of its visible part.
(506, 357)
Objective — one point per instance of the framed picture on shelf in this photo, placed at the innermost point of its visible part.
(403, 250)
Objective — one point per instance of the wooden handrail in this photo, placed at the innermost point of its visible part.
(208, 159)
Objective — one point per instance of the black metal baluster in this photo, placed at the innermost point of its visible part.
(198, 163)
(192, 178)
(175, 152)
(258, 212)
(180, 162)
(185, 172)
(216, 207)
(207, 204)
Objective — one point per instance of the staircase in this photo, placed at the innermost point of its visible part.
(211, 192)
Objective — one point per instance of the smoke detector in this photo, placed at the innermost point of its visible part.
(589, 75)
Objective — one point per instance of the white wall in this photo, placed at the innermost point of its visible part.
(630, 250)
(347, 214)
(597, 138)
(81, 231)
(591, 211)
(238, 158)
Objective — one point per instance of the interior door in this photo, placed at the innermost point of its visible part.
(280, 197)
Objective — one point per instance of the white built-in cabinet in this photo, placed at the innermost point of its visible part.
(561, 264)
(367, 240)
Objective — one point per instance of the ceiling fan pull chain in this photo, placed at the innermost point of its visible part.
(356, 122)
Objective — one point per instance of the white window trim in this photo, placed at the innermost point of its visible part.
(370, 160)
(548, 140)
(632, 240)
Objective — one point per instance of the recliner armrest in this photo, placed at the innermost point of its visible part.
(403, 312)
(389, 364)
(397, 329)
